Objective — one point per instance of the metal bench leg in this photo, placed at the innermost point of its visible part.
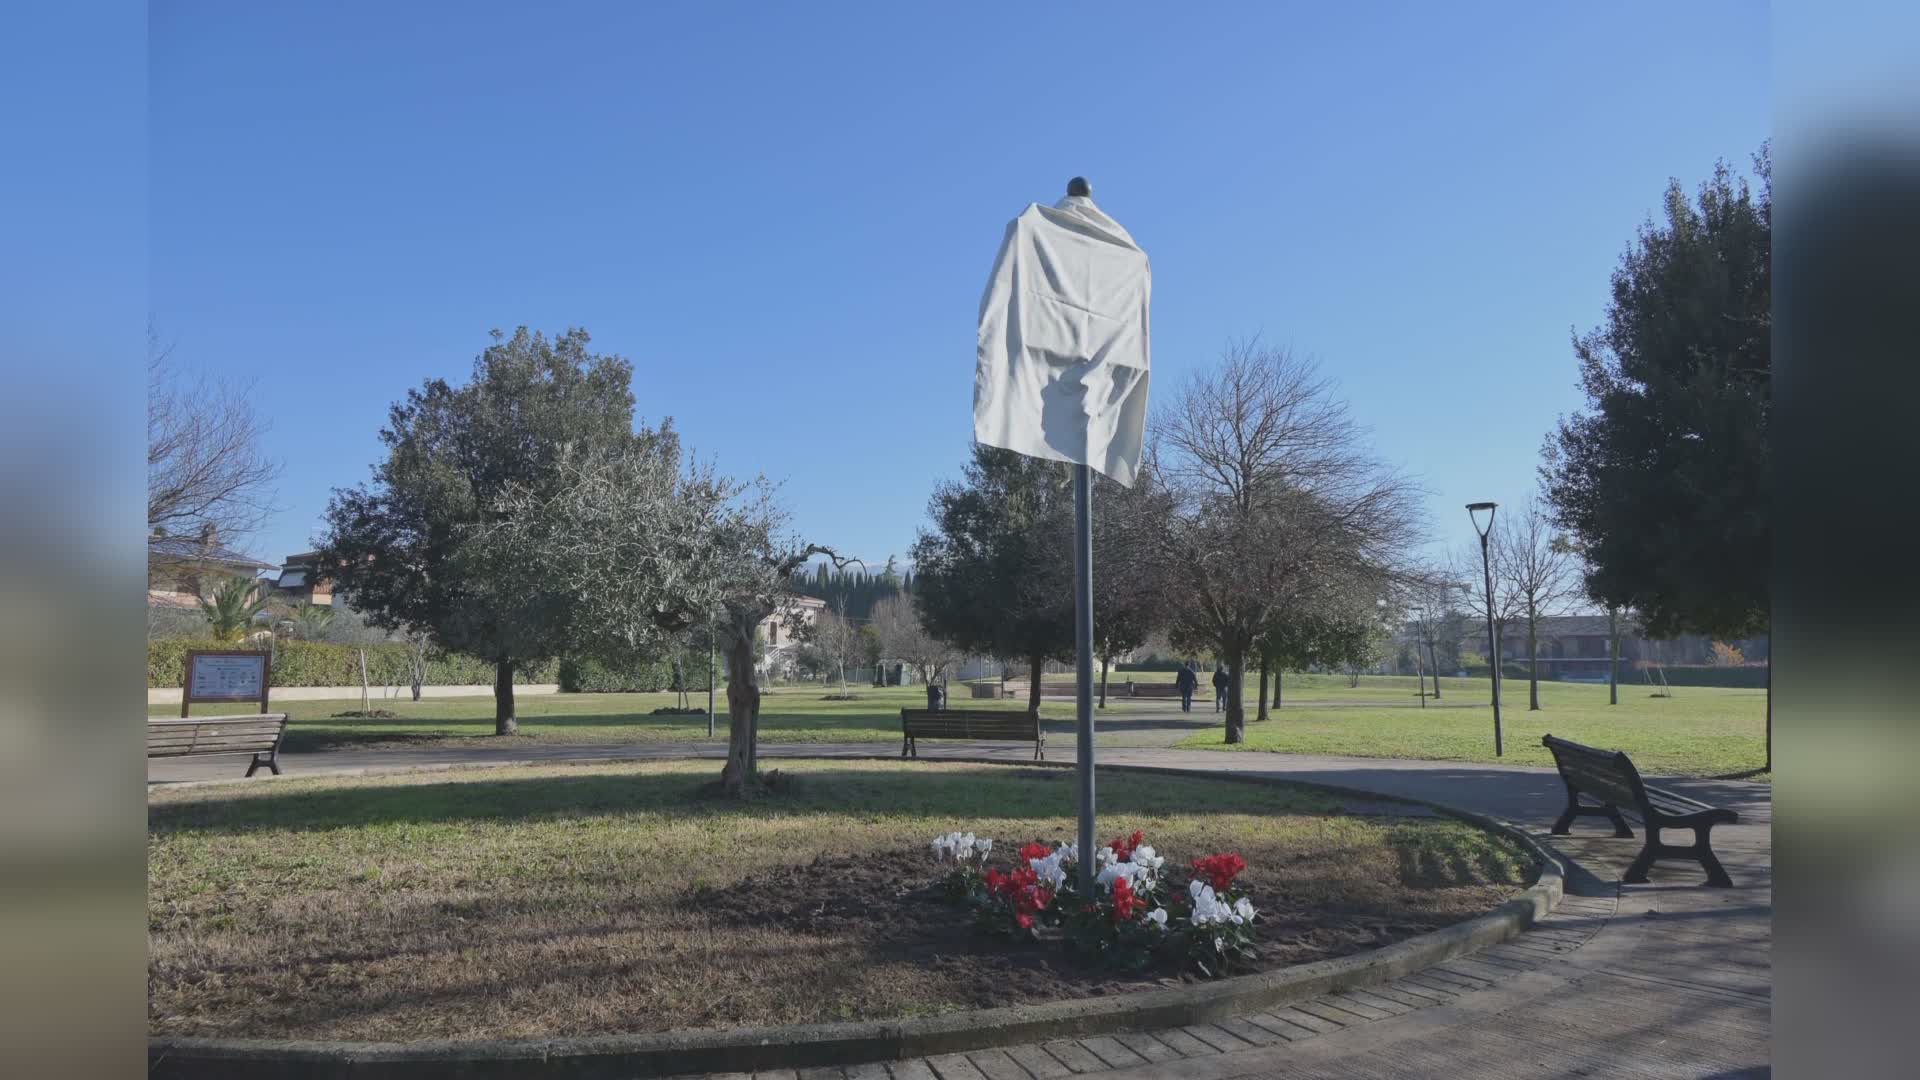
(903, 746)
(1620, 829)
(1716, 874)
(1565, 824)
(1637, 873)
(254, 765)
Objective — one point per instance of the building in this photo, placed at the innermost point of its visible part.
(298, 582)
(1574, 647)
(777, 634)
(181, 570)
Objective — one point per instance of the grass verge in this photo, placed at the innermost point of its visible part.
(566, 900)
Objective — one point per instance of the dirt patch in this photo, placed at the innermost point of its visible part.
(914, 923)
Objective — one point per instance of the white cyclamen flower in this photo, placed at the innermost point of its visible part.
(1243, 907)
(1115, 871)
(1147, 858)
(1158, 917)
(1049, 870)
(983, 845)
(1196, 887)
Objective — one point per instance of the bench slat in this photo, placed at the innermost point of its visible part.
(196, 736)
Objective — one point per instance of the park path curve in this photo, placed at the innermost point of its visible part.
(1667, 979)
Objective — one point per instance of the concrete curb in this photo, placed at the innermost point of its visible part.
(619, 1057)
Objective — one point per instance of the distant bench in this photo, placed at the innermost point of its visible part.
(1152, 690)
(1611, 778)
(986, 724)
(207, 736)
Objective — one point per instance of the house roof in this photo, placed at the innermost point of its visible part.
(193, 549)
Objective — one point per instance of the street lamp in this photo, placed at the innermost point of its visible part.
(1493, 641)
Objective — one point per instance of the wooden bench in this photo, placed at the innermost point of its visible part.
(204, 736)
(998, 724)
(1609, 777)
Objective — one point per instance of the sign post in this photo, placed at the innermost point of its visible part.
(216, 676)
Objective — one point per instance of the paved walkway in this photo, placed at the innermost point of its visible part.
(1668, 979)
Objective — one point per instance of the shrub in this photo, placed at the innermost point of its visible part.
(589, 676)
(318, 663)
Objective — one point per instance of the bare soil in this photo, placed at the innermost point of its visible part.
(915, 924)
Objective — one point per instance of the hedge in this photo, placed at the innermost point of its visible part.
(1709, 675)
(593, 677)
(319, 663)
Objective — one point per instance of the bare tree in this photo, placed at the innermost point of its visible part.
(1469, 575)
(1433, 614)
(207, 478)
(1279, 495)
(836, 639)
(903, 637)
(1542, 576)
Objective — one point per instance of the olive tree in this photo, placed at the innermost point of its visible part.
(647, 547)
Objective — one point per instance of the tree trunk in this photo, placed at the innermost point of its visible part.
(1433, 661)
(1103, 682)
(504, 721)
(1262, 714)
(1613, 656)
(1533, 663)
(743, 713)
(1279, 676)
(1769, 691)
(1236, 716)
(1033, 686)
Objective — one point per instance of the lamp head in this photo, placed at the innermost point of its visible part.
(1473, 515)
(1079, 186)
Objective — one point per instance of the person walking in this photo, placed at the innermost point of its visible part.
(935, 696)
(1221, 680)
(1187, 680)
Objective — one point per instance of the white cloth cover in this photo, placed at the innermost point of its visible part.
(1062, 369)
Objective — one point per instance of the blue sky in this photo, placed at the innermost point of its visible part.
(784, 215)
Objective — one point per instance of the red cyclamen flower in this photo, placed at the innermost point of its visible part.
(1219, 870)
(1124, 902)
(1035, 850)
(1123, 849)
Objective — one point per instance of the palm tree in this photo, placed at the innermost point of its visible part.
(310, 621)
(231, 611)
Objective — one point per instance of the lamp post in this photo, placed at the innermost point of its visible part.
(713, 670)
(1493, 641)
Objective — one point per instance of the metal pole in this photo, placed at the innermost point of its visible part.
(1083, 674)
(1493, 642)
(712, 670)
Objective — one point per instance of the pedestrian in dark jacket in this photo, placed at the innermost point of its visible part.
(1186, 680)
(1221, 680)
(935, 697)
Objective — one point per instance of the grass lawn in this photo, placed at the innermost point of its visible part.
(1699, 731)
(574, 900)
(787, 714)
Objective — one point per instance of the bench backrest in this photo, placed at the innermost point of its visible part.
(1604, 774)
(970, 724)
(256, 734)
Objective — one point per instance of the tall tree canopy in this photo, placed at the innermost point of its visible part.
(1663, 479)
(400, 546)
(994, 573)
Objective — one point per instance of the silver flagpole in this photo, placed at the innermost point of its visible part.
(1083, 675)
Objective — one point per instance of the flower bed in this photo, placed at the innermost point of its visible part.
(1134, 917)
